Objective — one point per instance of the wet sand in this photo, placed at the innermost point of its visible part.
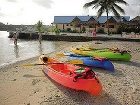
(20, 85)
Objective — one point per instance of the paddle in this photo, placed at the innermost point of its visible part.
(90, 49)
(100, 49)
(76, 61)
(69, 54)
(68, 62)
(75, 55)
(104, 50)
(40, 64)
(120, 51)
(62, 54)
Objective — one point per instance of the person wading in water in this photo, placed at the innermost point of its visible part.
(15, 36)
(40, 37)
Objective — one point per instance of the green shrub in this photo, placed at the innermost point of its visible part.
(63, 30)
(74, 31)
(57, 31)
(68, 29)
(101, 30)
(120, 30)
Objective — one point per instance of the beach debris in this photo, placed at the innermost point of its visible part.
(57, 96)
(28, 104)
(15, 71)
(137, 49)
(35, 81)
(98, 43)
(14, 79)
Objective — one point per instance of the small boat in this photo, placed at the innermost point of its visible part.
(93, 62)
(72, 76)
(112, 54)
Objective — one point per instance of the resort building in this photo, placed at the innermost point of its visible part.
(132, 26)
(88, 23)
(135, 22)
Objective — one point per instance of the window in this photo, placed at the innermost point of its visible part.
(78, 25)
(92, 26)
(111, 26)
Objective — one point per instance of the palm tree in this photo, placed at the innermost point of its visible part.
(40, 29)
(107, 6)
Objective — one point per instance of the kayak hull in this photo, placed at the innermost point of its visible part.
(105, 53)
(61, 73)
(89, 61)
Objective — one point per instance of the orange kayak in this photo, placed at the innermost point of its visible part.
(71, 76)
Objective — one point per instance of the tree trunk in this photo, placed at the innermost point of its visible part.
(40, 37)
(107, 22)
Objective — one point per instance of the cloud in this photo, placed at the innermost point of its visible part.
(44, 3)
(133, 1)
(12, 0)
(133, 9)
(2, 14)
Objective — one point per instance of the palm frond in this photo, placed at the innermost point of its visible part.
(89, 4)
(115, 12)
(119, 9)
(107, 6)
(100, 11)
(121, 2)
(96, 6)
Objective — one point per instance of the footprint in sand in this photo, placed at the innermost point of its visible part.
(35, 81)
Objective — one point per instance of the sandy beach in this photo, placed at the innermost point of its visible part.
(20, 85)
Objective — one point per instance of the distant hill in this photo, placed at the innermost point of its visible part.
(2, 24)
(26, 28)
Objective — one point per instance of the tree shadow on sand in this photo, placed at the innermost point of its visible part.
(116, 72)
(81, 97)
(130, 63)
(31, 76)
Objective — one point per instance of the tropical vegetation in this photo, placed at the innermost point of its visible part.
(108, 6)
(40, 29)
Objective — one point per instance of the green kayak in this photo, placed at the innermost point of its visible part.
(105, 53)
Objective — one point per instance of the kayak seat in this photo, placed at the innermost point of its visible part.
(62, 68)
(84, 73)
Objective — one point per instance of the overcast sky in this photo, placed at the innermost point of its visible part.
(30, 11)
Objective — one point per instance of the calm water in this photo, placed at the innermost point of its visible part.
(10, 53)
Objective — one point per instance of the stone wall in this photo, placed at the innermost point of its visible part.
(34, 36)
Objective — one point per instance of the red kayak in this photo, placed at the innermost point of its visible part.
(74, 77)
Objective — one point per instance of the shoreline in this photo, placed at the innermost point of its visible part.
(16, 60)
(76, 37)
(29, 86)
(8, 65)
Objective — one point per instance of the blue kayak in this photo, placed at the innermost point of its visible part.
(91, 62)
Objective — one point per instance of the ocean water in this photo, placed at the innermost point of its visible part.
(9, 53)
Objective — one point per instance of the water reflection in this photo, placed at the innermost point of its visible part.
(16, 51)
(25, 49)
(40, 49)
